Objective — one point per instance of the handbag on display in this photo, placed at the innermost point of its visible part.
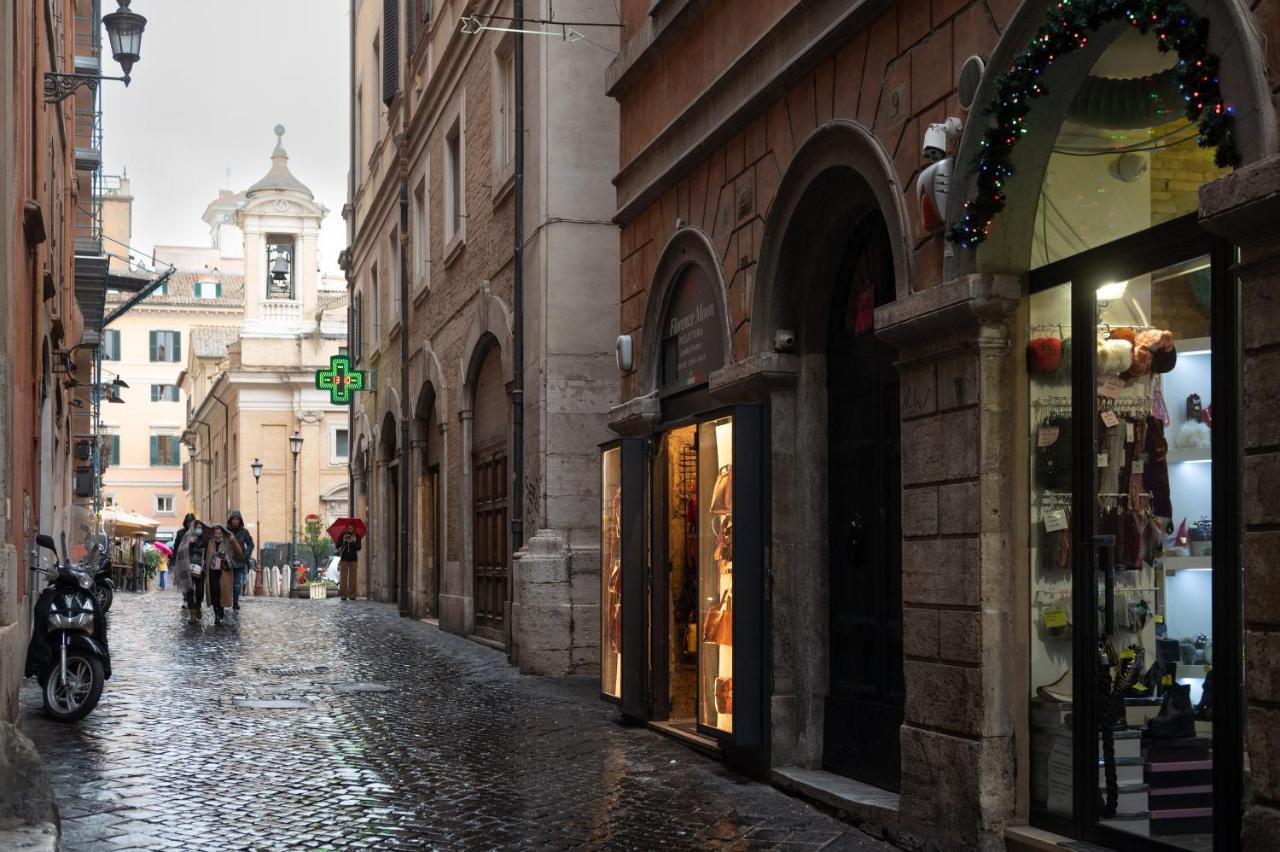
(717, 627)
(722, 525)
(724, 696)
(722, 494)
(1195, 409)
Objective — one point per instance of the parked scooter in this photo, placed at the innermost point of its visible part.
(103, 587)
(68, 649)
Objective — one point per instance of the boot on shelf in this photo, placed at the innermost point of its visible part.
(1177, 718)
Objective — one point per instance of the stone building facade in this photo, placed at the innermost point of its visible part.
(250, 386)
(433, 199)
(888, 647)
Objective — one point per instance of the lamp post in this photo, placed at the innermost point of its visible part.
(124, 29)
(256, 467)
(295, 447)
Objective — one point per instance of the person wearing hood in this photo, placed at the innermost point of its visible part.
(220, 554)
(189, 556)
(182, 559)
(241, 554)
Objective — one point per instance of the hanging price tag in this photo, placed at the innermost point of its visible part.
(1110, 420)
(1055, 618)
(1138, 466)
(1103, 459)
(1055, 520)
(1159, 618)
(1128, 433)
(1046, 436)
(1111, 388)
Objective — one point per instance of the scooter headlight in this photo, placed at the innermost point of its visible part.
(79, 621)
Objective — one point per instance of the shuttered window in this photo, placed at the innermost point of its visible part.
(166, 346)
(357, 327)
(114, 454)
(111, 345)
(164, 451)
(390, 50)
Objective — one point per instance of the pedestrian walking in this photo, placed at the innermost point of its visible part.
(241, 555)
(347, 564)
(163, 571)
(188, 554)
(219, 564)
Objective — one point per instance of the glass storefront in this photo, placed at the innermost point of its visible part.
(1122, 559)
(611, 577)
(715, 573)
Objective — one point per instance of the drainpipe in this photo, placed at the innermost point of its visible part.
(517, 336)
(405, 425)
(351, 296)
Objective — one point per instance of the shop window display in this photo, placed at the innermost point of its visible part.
(611, 585)
(1150, 497)
(715, 573)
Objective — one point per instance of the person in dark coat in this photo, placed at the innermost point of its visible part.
(220, 553)
(239, 558)
(348, 548)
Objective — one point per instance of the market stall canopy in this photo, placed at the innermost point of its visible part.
(120, 523)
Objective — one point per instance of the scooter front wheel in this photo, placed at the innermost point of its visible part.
(105, 595)
(73, 700)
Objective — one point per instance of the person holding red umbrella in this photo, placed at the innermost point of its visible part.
(348, 548)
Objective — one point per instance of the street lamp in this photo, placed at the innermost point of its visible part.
(256, 467)
(295, 447)
(124, 30)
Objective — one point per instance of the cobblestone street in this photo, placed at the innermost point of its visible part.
(320, 725)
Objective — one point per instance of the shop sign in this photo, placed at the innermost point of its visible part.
(692, 336)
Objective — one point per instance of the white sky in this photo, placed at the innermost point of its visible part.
(214, 79)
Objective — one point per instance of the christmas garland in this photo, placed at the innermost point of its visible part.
(1178, 29)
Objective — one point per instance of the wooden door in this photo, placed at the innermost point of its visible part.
(491, 550)
(863, 711)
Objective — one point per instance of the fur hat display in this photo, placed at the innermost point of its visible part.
(1044, 355)
(1193, 434)
(1114, 357)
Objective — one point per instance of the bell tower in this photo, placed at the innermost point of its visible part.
(280, 221)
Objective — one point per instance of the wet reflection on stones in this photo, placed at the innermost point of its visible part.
(332, 725)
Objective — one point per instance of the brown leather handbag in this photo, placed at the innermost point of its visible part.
(717, 624)
(722, 493)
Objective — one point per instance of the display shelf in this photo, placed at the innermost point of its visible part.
(1190, 454)
(1181, 563)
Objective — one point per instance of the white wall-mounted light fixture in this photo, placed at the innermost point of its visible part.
(624, 349)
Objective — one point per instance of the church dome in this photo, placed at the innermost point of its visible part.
(279, 179)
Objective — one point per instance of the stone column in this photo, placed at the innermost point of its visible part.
(542, 623)
(961, 567)
(1245, 207)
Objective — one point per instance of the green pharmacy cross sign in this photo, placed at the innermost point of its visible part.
(340, 380)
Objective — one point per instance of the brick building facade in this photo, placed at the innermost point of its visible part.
(433, 198)
(772, 149)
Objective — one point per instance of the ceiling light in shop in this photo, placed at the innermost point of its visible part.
(1108, 292)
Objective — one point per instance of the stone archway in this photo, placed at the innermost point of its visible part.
(1232, 35)
(389, 496)
(838, 200)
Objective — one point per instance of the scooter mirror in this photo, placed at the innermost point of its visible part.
(46, 541)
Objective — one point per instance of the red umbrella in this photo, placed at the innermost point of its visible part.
(163, 548)
(338, 527)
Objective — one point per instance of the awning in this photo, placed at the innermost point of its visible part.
(120, 523)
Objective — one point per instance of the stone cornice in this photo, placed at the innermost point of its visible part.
(755, 377)
(636, 417)
(951, 314)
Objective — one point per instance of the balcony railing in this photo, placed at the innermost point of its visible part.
(282, 310)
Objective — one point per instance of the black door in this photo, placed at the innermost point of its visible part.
(864, 702)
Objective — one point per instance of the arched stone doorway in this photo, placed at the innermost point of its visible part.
(490, 497)
(428, 496)
(389, 552)
(836, 248)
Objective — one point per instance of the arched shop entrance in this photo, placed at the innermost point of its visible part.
(427, 510)
(683, 645)
(1133, 618)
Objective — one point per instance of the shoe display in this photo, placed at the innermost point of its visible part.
(1177, 718)
(1204, 710)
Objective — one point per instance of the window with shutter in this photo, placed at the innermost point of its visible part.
(111, 345)
(115, 449)
(390, 50)
(357, 333)
(155, 445)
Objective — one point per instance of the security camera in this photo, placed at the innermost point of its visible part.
(938, 136)
(784, 340)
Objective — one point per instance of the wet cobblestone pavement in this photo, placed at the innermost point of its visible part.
(321, 725)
